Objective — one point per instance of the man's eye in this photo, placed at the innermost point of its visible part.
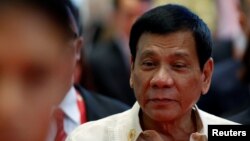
(179, 66)
(148, 64)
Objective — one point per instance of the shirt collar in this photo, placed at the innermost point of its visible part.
(200, 135)
(132, 126)
(69, 106)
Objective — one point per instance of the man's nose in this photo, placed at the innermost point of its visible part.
(162, 78)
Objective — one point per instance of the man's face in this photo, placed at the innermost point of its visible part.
(166, 76)
(36, 67)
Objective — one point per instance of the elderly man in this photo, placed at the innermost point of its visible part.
(171, 68)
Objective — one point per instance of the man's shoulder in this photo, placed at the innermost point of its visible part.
(100, 129)
(212, 119)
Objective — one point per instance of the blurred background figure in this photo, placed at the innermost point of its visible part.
(229, 95)
(40, 43)
(244, 74)
(108, 55)
(230, 41)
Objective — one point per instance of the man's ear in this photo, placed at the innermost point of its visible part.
(131, 80)
(132, 63)
(78, 44)
(207, 75)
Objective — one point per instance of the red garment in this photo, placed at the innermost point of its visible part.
(82, 108)
(60, 135)
(60, 115)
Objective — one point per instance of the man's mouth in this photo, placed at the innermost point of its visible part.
(161, 100)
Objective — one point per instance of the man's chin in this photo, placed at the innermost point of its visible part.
(162, 115)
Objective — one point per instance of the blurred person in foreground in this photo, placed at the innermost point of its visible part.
(171, 68)
(229, 95)
(39, 47)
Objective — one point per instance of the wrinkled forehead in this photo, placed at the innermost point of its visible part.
(174, 45)
(179, 39)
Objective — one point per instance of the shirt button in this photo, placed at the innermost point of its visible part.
(131, 135)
